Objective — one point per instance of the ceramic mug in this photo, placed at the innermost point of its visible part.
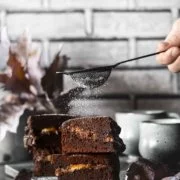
(160, 140)
(130, 122)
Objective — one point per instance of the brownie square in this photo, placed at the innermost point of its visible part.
(42, 133)
(78, 166)
(91, 135)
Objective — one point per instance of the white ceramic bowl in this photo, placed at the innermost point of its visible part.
(160, 140)
(130, 122)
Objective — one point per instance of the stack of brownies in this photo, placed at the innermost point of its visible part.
(77, 148)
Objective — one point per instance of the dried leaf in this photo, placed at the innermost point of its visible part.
(4, 78)
(30, 85)
(35, 72)
(45, 105)
(16, 81)
(28, 54)
(49, 82)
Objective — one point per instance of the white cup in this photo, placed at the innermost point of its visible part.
(160, 140)
(130, 122)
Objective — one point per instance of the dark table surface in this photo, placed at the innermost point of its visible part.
(2, 174)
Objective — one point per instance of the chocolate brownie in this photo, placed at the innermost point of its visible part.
(147, 170)
(43, 141)
(91, 173)
(91, 135)
(42, 132)
(79, 166)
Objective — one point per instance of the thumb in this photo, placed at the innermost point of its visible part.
(173, 37)
(162, 46)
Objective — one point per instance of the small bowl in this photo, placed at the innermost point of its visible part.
(160, 140)
(130, 122)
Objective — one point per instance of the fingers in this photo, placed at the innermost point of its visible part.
(163, 46)
(169, 56)
(172, 47)
(175, 67)
(173, 37)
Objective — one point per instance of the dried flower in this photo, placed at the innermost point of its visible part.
(26, 84)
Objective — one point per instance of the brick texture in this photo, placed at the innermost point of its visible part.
(45, 25)
(166, 104)
(134, 82)
(146, 47)
(78, 4)
(158, 4)
(99, 32)
(20, 4)
(99, 107)
(127, 24)
(93, 53)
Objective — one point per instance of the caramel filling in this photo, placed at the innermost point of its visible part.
(71, 168)
(50, 130)
(48, 158)
(108, 139)
(87, 134)
(84, 134)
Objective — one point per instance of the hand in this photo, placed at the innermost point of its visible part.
(171, 57)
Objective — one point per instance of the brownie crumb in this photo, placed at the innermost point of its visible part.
(147, 170)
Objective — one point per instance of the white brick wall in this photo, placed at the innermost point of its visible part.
(92, 4)
(93, 53)
(127, 24)
(20, 4)
(46, 25)
(156, 103)
(159, 4)
(99, 32)
(145, 46)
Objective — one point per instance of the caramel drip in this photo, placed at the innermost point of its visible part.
(75, 167)
(50, 130)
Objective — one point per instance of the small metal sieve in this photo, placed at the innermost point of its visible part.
(95, 77)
